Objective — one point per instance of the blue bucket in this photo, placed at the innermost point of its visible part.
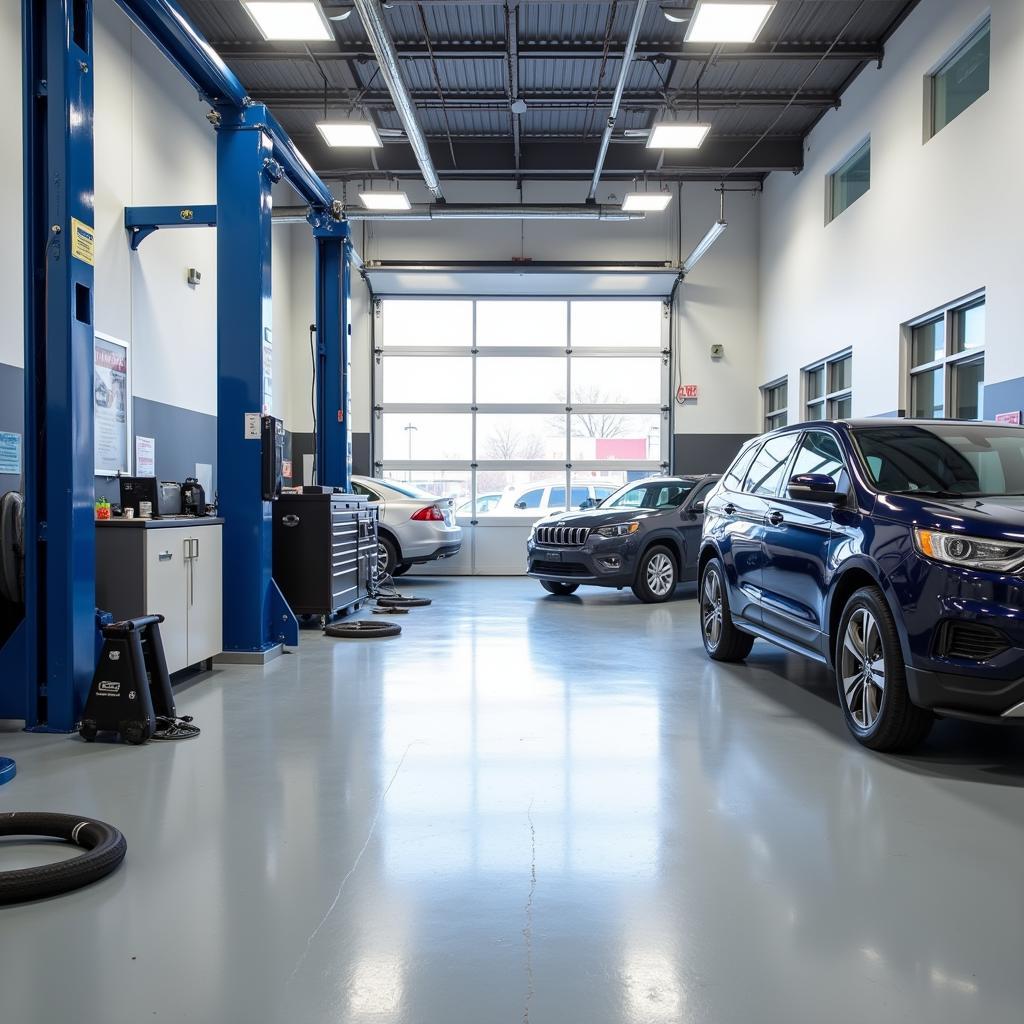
(7, 770)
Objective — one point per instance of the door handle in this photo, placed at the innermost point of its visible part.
(775, 518)
(165, 556)
(729, 509)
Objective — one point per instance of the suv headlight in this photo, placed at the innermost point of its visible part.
(969, 552)
(618, 530)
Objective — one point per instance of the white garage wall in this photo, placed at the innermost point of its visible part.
(938, 222)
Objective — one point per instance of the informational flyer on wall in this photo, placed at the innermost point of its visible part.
(145, 456)
(111, 405)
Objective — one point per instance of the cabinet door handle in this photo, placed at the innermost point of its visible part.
(165, 556)
(195, 552)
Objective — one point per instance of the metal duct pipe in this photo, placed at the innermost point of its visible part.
(384, 50)
(467, 211)
(620, 85)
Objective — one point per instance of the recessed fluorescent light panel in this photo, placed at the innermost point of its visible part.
(289, 19)
(737, 22)
(385, 200)
(677, 136)
(350, 134)
(646, 201)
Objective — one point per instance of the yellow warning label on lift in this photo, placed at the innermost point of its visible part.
(83, 242)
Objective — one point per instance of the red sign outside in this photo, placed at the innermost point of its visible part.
(1008, 417)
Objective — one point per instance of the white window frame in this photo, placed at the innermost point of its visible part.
(948, 58)
(830, 180)
(950, 360)
(783, 412)
(828, 399)
(564, 351)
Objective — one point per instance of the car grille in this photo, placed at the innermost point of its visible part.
(971, 641)
(562, 536)
(560, 568)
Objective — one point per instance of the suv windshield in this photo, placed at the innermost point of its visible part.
(944, 460)
(650, 494)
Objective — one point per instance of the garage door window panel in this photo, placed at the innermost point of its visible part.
(430, 437)
(427, 323)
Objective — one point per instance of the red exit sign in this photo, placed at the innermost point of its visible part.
(1008, 417)
(687, 392)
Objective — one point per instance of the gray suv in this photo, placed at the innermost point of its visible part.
(645, 536)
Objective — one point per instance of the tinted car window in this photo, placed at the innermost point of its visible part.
(579, 495)
(671, 495)
(735, 473)
(946, 459)
(531, 499)
(556, 499)
(819, 453)
(360, 489)
(765, 473)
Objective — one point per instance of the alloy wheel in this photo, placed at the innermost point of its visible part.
(862, 666)
(382, 560)
(661, 575)
(711, 609)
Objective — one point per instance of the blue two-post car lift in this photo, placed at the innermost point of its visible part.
(46, 664)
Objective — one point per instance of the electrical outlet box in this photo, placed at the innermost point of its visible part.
(194, 276)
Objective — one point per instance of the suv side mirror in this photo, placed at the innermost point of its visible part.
(817, 487)
(520, 505)
(588, 503)
(698, 508)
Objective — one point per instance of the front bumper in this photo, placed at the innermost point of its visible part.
(934, 598)
(601, 561)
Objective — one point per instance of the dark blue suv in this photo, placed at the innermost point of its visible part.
(890, 550)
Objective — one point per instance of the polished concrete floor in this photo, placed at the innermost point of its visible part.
(527, 809)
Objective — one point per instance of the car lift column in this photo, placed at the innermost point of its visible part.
(333, 440)
(257, 619)
(58, 634)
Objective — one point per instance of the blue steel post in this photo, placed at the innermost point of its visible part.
(246, 170)
(333, 441)
(57, 636)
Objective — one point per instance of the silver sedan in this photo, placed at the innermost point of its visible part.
(414, 526)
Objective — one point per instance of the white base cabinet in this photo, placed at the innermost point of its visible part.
(168, 567)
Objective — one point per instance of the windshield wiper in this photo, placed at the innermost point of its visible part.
(925, 493)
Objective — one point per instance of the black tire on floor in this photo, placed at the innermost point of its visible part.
(362, 630)
(104, 845)
(647, 585)
(560, 589)
(401, 569)
(12, 548)
(404, 602)
(727, 643)
(898, 724)
(387, 556)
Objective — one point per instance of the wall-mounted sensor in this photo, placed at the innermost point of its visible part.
(194, 276)
(717, 351)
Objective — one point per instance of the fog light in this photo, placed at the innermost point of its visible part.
(611, 562)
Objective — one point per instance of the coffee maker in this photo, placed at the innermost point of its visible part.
(193, 498)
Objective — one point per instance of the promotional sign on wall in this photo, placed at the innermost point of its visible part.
(111, 405)
(145, 456)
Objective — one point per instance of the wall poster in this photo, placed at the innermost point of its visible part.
(111, 406)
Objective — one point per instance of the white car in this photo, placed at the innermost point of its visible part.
(413, 527)
(484, 503)
(542, 498)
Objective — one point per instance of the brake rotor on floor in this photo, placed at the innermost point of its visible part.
(363, 629)
(403, 602)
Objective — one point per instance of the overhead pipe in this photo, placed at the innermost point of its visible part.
(620, 86)
(468, 211)
(372, 16)
(165, 24)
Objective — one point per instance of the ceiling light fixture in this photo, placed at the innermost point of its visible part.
(344, 16)
(677, 15)
(739, 21)
(677, 136)
(350, 134)
(649, 202)
(289, 19)
(709, 239)
(385, 200)
(519, 106)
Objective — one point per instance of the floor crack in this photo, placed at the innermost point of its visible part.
(528, 926)
(351, 870)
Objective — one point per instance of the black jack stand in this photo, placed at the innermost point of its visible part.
(131, 688)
